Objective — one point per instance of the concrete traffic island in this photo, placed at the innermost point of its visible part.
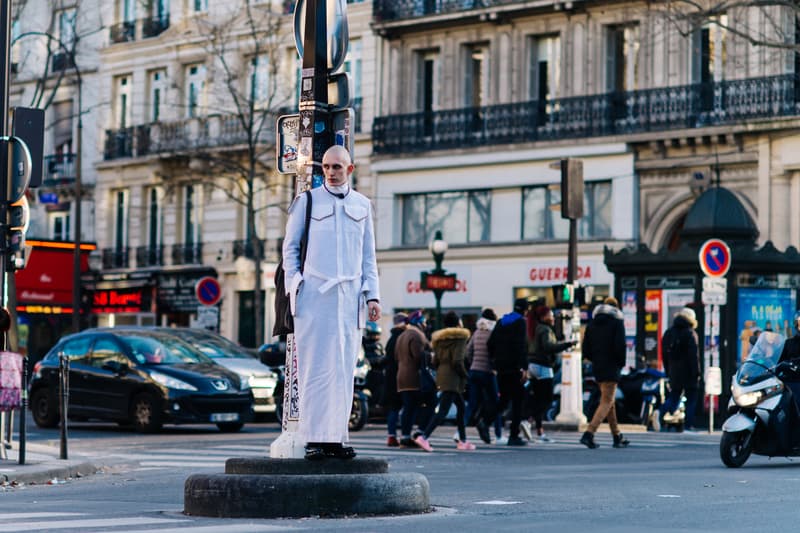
(295, 488)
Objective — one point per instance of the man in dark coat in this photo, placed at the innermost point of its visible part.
(508, 350)
(391, 399)
(604, 346)
(682, 363)
(791, 349)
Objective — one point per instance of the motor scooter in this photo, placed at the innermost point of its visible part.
(640, 394)
(765, 417)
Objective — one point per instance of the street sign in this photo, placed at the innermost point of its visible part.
(715, 258)
(338, 37)
(208, 291)
(21, 165)
(287, 126)
(208, 316)
(715, 284)
(437, 282)
(713, 380)
(714, 298)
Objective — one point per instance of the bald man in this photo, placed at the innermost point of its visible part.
(332, 299)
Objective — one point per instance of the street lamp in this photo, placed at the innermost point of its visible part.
(438, 247)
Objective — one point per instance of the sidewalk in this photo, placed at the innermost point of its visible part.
(42, 466)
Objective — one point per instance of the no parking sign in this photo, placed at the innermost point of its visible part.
(208, 291)
(715, 258)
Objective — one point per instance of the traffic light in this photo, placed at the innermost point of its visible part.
(18, 220)
(571, 188)
(564, 295)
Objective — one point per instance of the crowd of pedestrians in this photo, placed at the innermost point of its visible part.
(507, 366)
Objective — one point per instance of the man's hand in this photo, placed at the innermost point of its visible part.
(374, 310)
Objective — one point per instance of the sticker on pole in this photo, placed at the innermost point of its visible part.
(715, 258)
(208, 291)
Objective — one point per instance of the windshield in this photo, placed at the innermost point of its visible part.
(162, 350)
(763, 357)
(216, 347)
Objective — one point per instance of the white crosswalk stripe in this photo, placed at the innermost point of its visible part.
(56, 521)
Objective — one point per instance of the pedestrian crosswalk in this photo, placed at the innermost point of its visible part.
(65, 522)
(371, 444)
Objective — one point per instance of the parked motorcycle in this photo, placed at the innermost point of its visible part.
(359, 414)
(640, 394)
(764, 403)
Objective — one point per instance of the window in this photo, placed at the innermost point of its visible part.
(66, 29)
(75, 349)
(127, 10)
(153, 219)
(544, 69)
(122, 103)
(260, 81)
(191, 215)
(120, 222)
(59, 226)
(477, 76)
(622, 53)
(104, 351)
(427, 80)
(541, 217)
(462, 217)
(709, 51)
(199, 6)
(352, 65)
(195, 90)
(156, 93)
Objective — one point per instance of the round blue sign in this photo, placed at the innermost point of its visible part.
(715, 258)
(208, 291)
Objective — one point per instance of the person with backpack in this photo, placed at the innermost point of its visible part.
(391, 398)
(680, 349)
(508, 350)
(604, 345)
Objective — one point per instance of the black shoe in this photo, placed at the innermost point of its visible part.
(408, 443)
(341, 452)
(620, 441)
(588, 440)
(516, 441)
(315, 453)
(483, 431)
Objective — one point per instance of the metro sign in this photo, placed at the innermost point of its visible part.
(437, 282)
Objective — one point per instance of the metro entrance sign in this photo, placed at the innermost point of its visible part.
(440, 282)
(715, 258)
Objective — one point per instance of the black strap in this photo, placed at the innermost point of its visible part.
(304, 239)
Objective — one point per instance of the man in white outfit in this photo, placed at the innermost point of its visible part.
(331, 300)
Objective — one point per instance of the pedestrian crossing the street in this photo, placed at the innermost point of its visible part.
(88, 522)
(373, 445)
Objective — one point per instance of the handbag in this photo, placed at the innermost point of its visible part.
(427, 383)
(284, 321)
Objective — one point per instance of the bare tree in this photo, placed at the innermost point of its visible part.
(247, 50)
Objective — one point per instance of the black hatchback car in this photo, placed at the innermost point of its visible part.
(138, 377)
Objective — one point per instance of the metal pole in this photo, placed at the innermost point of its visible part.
(5, 62)
(63, 368)
(572, 253)
(76, 257)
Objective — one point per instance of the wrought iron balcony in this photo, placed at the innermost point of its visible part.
(392, 10)
(187, 254)
(150, 256)
(154, 26)
(691, 106)
(59, 169)
(123, 32)
(127, 142)
(116, 257)
(245, 248)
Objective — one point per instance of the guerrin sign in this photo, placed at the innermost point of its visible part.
(438, 282)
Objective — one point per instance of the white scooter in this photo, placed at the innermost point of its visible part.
(764, 402)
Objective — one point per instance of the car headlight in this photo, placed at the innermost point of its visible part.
(170, 382)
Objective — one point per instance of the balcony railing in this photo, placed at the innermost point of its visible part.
(123, 32)
(187, 254)
(59, 169)
(245, 248)
(689, 106)
(154, 26)
(116, 257)
(391, 10)
(150, 256)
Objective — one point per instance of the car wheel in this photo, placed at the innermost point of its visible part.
(230, 427)
(44, 409)
(146, 413)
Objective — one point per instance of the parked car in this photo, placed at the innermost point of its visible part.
(227, 353)
(139, 377)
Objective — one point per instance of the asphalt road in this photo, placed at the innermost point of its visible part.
(663, 482)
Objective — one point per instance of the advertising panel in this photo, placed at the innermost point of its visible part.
(766, 310)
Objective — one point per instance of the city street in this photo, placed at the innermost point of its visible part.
(663, 482)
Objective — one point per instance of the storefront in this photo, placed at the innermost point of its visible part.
(762, 286)
(44, 292)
